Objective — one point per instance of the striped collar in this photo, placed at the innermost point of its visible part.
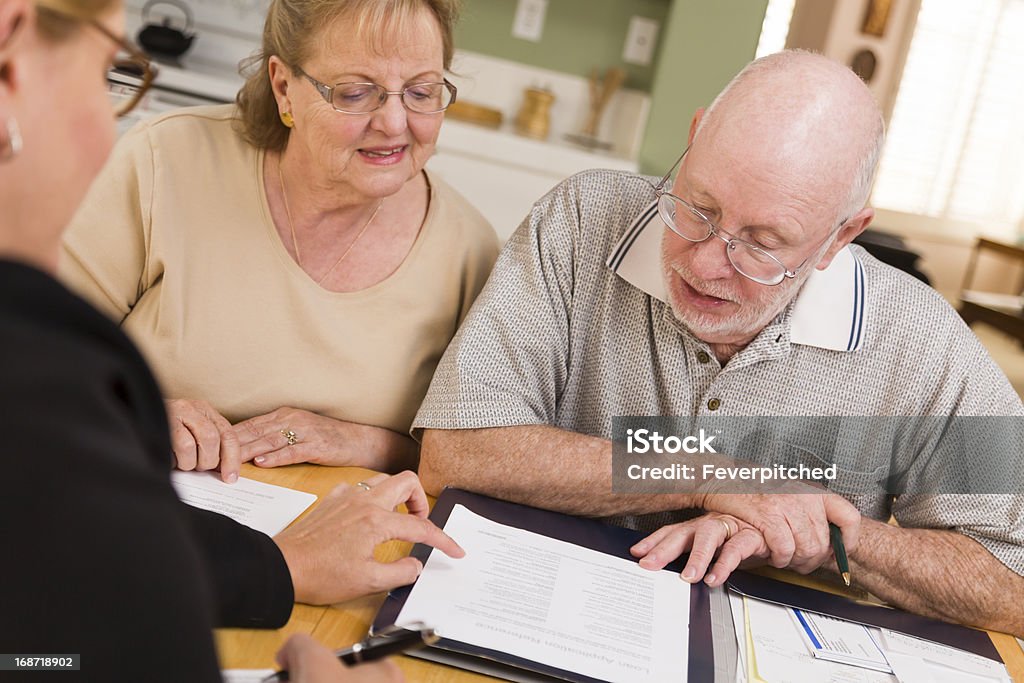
(828, 311)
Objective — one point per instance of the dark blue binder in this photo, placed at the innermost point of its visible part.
(587, 533)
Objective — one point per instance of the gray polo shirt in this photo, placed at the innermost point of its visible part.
(572, 330)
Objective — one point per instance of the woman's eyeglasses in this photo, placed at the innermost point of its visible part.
(366, 98)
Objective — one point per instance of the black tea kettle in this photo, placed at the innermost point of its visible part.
(164, 40)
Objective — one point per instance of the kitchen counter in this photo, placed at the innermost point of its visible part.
(554, 157)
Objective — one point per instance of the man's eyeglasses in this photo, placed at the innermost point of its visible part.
(131, 73)
(687, 221)
(366, 98)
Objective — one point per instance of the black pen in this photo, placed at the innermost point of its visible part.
(390, 641)
(840, 552)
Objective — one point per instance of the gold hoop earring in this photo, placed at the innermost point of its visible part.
(11, 147)
(287, 119)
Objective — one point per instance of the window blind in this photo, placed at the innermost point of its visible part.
(955, 148)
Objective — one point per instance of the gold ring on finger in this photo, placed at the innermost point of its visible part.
(290, 437)
(363, 485)
(728, 528)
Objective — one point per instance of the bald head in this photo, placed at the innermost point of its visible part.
(804, 116)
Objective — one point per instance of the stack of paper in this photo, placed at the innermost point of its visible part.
(246, 675)
(838, 640)
(776, 652)
(779, 644)
(554, 603)
(913, 659)
(263, 507)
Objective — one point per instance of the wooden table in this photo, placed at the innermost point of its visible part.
(340, 625)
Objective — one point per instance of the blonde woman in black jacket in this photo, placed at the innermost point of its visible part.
(102, 560)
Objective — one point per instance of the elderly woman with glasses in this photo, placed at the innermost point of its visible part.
(287, 265)
(114, 577)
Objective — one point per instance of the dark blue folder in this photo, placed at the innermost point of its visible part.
(587, 533)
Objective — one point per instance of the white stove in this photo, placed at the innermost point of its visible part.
(176, 87)
(226, 31)
(190, 81)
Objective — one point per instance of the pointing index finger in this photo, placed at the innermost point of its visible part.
(419, 530)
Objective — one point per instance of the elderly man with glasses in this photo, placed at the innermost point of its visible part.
(730, 289)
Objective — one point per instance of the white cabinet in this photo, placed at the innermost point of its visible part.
(503, 174)
(503, 194)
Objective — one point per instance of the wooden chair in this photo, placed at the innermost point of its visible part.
(1002, 311)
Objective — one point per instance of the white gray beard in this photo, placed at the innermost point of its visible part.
(752, 317)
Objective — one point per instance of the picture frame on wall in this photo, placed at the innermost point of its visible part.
(876, 16)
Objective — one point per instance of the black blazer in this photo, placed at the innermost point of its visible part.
(99, 556)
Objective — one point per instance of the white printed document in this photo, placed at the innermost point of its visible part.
(839, 640)
(913, 659)
(777, 647)
(246, 675)
(554, 603)
(777, 654)
(263, 507)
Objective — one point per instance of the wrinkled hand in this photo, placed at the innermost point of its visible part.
(202, 439)
(308, 661)
(317, 439)
(711, 534)
(794, 525)
(330, 551)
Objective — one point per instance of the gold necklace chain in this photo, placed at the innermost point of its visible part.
(351, 244)
(295, 242)
(288, 212)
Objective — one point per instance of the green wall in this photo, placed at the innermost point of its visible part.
(703, 44)
(578, 35)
